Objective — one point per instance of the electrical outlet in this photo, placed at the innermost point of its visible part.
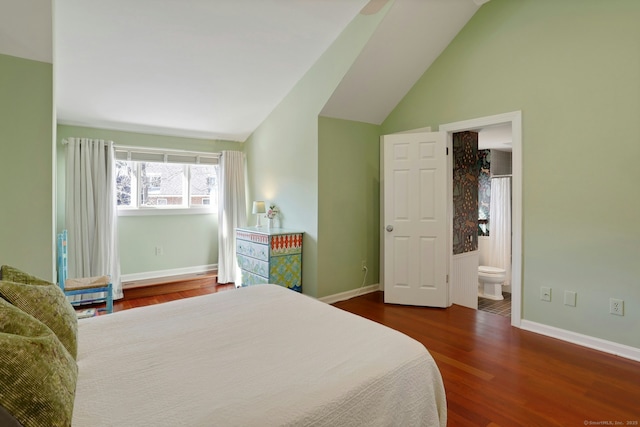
(159, 250)
(545, 293)
(363, 265)
(570, 298)
(616, 306)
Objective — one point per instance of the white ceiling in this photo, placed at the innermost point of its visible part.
(216, 68)
(25, 29)
(408, 40)
(202, 68)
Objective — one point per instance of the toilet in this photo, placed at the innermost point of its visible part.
(490, 280)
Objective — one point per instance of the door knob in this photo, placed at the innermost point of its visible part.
(389, 228)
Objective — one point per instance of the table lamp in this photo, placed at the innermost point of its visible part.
(258, 208)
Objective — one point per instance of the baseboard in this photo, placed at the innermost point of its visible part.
(610, 347)
(330, 299)
(166, 273)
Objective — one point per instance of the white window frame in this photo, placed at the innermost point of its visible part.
(186, 158)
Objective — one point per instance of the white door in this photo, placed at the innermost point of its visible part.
(414, 219)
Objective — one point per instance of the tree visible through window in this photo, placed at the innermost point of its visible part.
(124, 182)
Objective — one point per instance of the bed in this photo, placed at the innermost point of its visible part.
(256, 356)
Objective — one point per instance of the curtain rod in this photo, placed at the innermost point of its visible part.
(65, 141)
(501, 176)
(168, 150)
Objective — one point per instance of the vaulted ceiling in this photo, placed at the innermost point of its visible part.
(216, 68)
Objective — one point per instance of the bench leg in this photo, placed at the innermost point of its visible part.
(110, 299)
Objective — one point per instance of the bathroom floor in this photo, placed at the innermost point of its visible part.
(503, 307)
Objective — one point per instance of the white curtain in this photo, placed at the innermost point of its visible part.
(500, 225)
(91, 215)
(232, 212)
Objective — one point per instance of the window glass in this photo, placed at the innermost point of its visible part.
(142, 185)
(124, 182)
(161, 184)
(203, 185)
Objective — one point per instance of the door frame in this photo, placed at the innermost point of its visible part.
(515, 119)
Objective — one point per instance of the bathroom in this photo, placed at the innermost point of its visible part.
(481, 266)
(494, 287)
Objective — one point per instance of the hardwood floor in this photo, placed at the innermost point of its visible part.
(497, 375)
(137, 298)
(154, 291)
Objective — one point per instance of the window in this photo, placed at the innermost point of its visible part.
(147, 185)
(202, 184)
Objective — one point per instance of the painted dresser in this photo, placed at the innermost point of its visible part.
(270, 255)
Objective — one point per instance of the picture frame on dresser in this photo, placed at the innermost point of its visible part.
(270, 255)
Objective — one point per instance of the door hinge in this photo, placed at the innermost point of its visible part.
(447, 151)
(447, 278)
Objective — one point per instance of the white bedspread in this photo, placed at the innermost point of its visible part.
(256, 356)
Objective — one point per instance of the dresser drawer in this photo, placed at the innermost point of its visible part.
(249, 279)
(286, 244)
(252, 249)
(252, 237)
(287, 271)
(253, 265)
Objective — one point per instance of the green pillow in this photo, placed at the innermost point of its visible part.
(37, 374)
(12, 274)
(49, 305)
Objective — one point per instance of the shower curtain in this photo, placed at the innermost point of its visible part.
(500, 225)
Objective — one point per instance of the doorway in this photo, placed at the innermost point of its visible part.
(514, 119)
(494, 218)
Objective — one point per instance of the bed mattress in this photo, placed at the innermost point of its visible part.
(254, 356)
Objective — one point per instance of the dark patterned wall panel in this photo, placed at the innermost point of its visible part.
(465, 192)
(484, 190)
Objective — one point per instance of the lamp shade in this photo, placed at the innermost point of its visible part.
(258, 207)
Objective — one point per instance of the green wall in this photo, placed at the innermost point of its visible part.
(282, 154)
(26, 171)
(188, 240)
(348, 204)
(572, 67)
